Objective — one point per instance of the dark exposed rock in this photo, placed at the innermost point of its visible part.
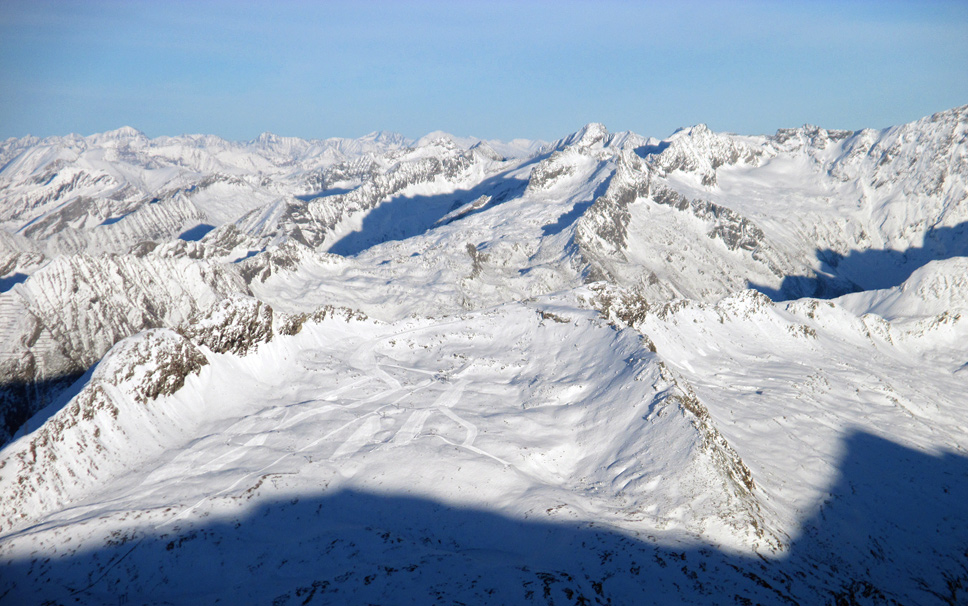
(143, 248)
(285, 257)
(292, 324)
(234, 325)
(737, 477)
(147, 366)
(608, 217)
(76, 308)
(548, 172)
(152, 364)
(477, 260)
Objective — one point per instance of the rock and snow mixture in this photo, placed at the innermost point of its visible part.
(709, 369)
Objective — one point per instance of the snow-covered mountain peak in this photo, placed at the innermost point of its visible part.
(593, 134)
(266, 138)
(485, 150)
(808, 135)
(590, 134)
(697, 130)
(438, 138)
(287, 148)
(125, 132)
(126, 136)
(955, 114)
(700, 151)
(386, 137)
(517, 148)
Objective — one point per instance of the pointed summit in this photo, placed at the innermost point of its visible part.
(266, 138)
(483, 149)
(386, 137)
(593, 133)
(435, 137)
(125, 132)
(690, 131)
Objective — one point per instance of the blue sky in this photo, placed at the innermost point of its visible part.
(496, 69)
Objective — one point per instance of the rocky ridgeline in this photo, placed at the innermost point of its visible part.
(62, 456)
(123, 193)
(71, 312)
(603, 232)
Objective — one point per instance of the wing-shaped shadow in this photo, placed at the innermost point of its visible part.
(894, 529)
(872, 268)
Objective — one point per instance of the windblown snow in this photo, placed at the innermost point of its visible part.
(609, 369)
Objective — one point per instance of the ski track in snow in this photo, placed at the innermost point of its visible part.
(368, 424)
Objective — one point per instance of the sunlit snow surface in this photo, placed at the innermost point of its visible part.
(489, 455)
(548, 383)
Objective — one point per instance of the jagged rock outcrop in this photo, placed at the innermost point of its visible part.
(606, 237)
(700, 151)
(64, 317)
(68, 446)
(234, 325)
(292, 324)
(629, 308)
(65, 456)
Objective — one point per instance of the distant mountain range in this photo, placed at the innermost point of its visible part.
(710, 368)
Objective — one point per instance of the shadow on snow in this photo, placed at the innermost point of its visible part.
(21, 400)
(892, 529)
(8, 282)
(567, 219)
(871, 269)
(403, 217)
(196, 233)
(332, 191)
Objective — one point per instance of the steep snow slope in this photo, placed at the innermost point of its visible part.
(530, 410)
(62, 319)
(777, 380)
(806, 212)
(937, 288)
(703, 454)
(791, 387)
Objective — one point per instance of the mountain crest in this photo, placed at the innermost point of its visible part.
(125, 132)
